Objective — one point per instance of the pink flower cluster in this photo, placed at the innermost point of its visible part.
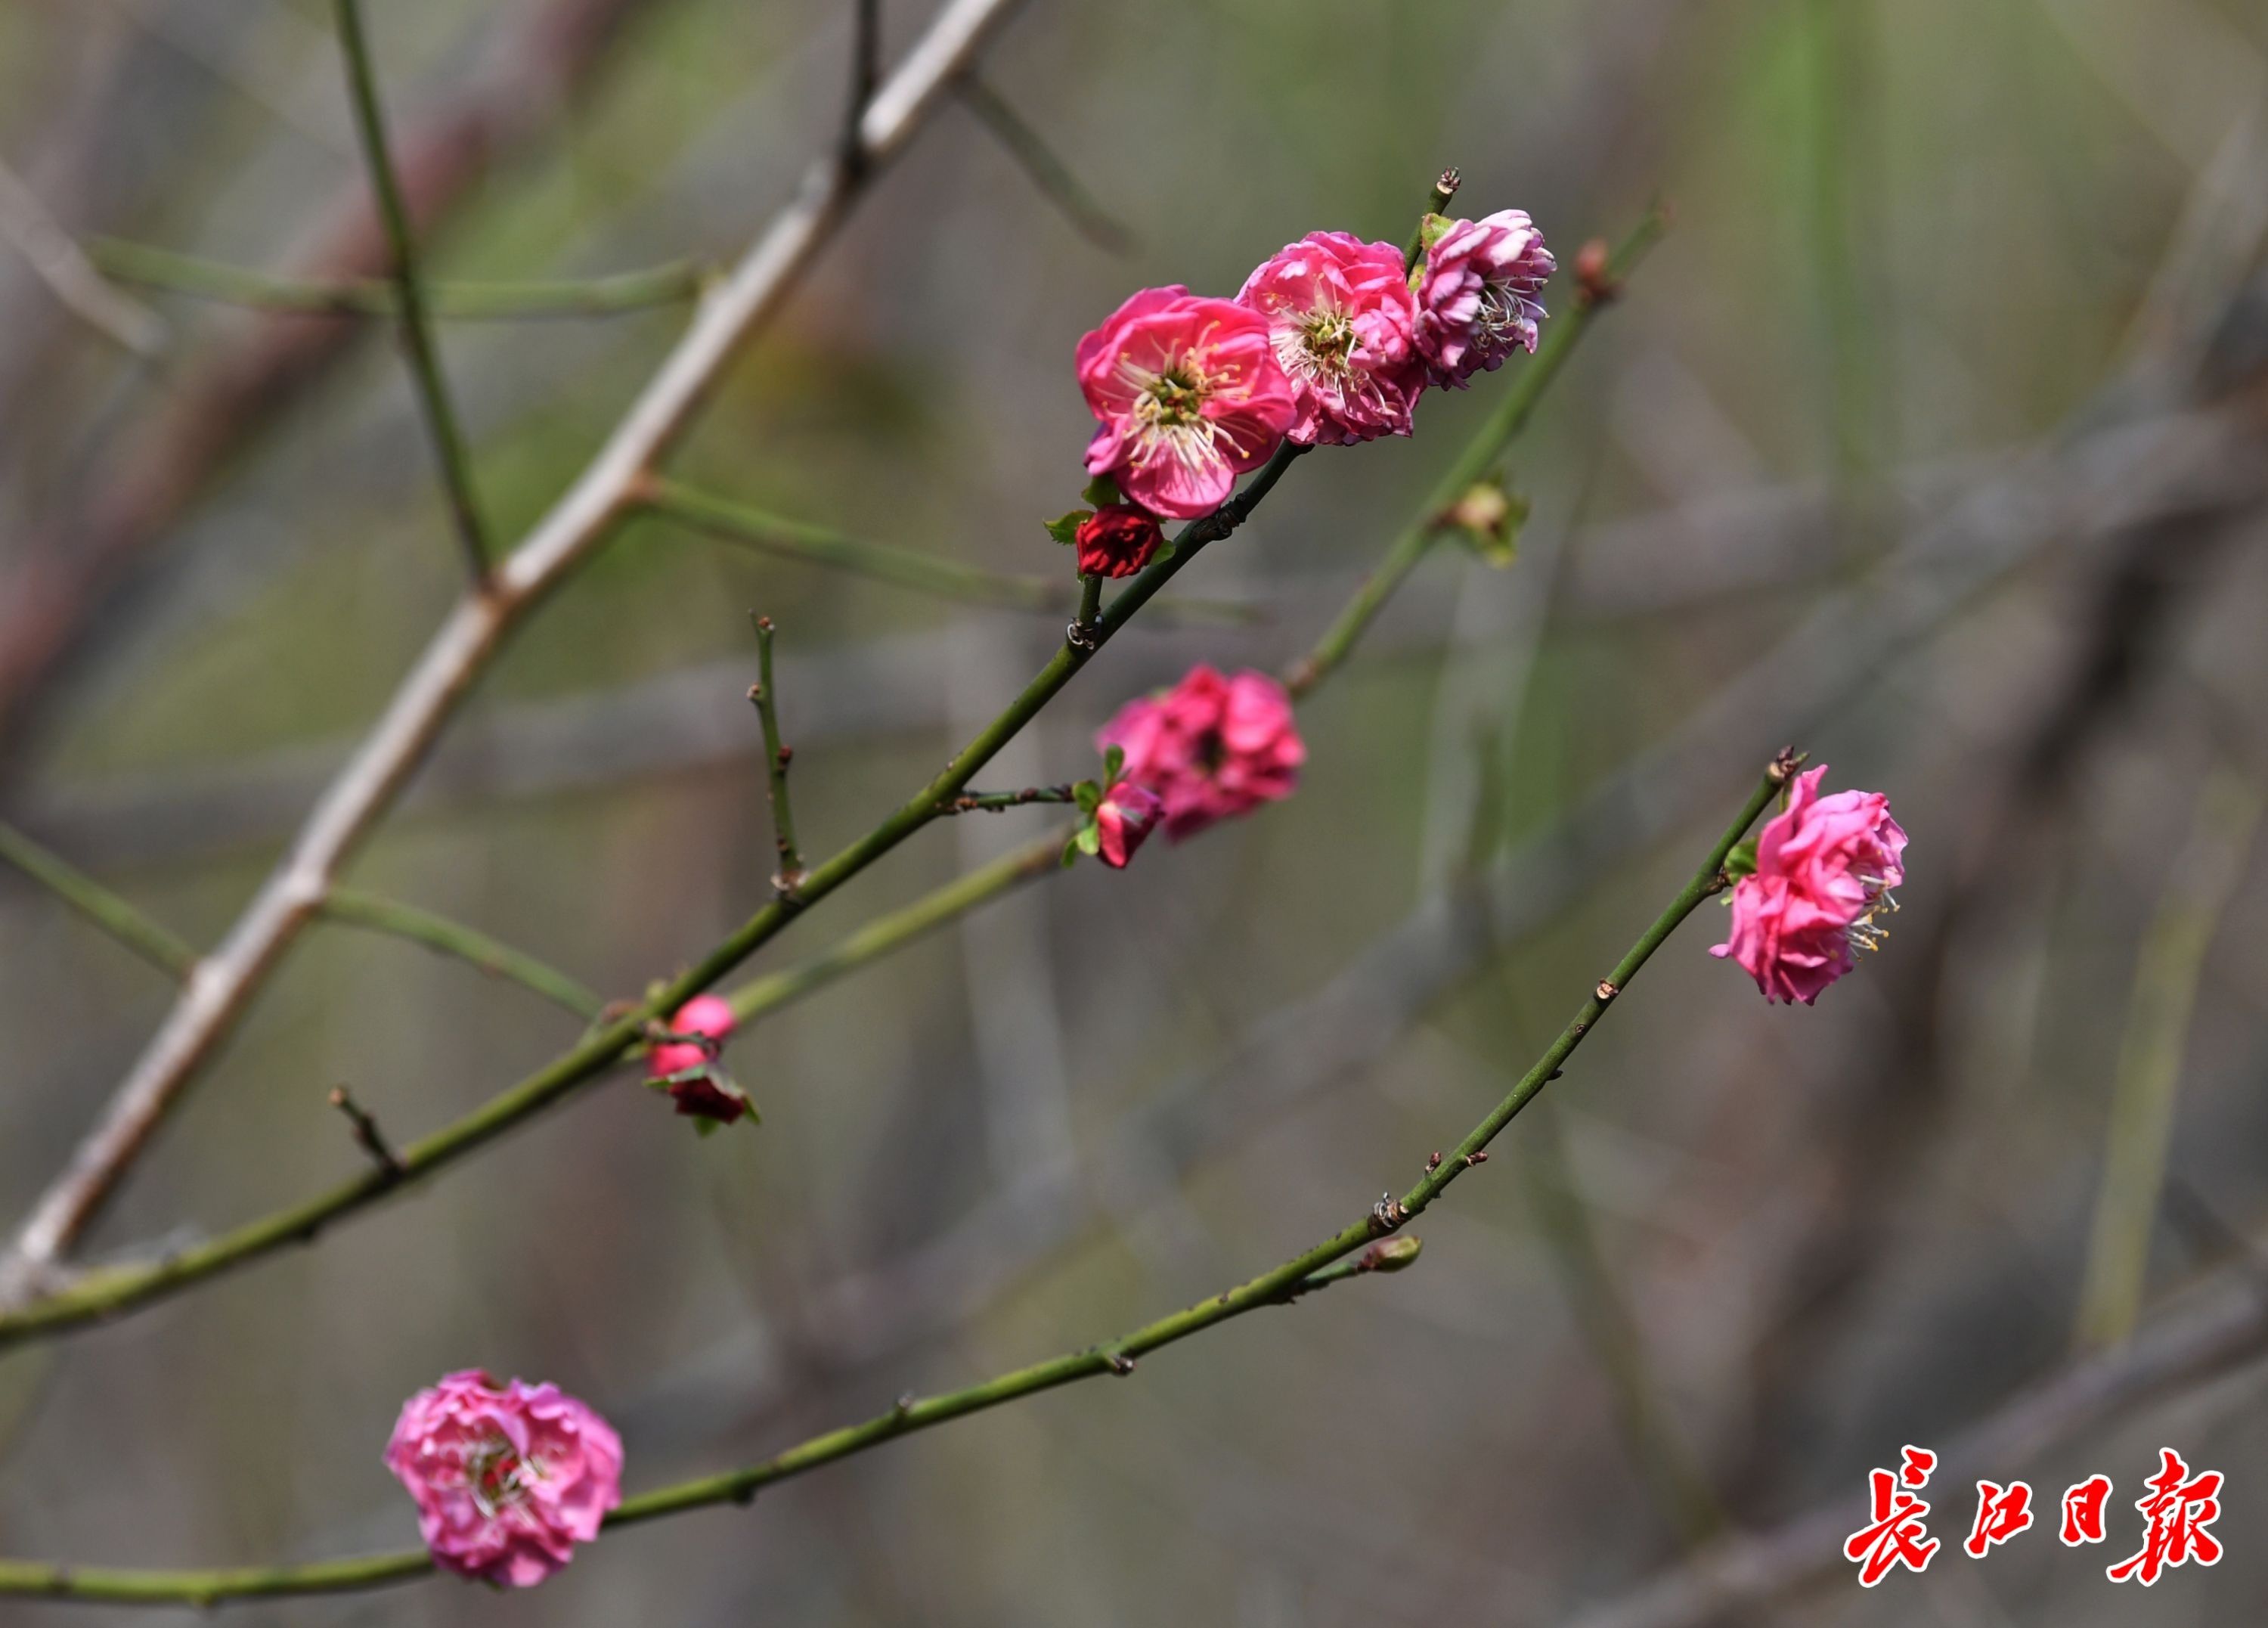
(1208, 749)
(507, 1480)
(1329, 341)
(1825, 865)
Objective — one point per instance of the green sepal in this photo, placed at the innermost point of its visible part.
(1089, 840)
(1071, 853)
(1113, 761)
(1064, 528)
(1101, 489)
(1088, 795)
(1742, 860)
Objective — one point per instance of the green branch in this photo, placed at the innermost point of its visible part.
(416, 328)
(1046, 172)
(150, 267)
(776, 761)
(1367, 1241)
(155, 944)
(439, 933)
(1472, 465)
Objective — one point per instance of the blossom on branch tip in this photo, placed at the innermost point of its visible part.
(1123, 820)
(1116, 540)
(1824, 869)
(1211, 747)
(507, 1480)
(1342, 321)
(1476, 295)
(1190, 397)
(700, 1090)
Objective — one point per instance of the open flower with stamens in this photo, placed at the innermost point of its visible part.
(1825, 866)
(1342, 321)
(1476, 298)
(1211, 747)
(1190, 395)
(507, 1480)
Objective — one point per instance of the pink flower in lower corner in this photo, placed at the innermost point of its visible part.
(699, 1096)
(507, 1480)
(1342, 321)
(1825, 866)
(1476, 299)
(1190, 397)
(1211, 747)
(1123, 820)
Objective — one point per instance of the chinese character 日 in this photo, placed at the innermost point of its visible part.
(2001, 1513)
(1895, 1534)
(2082, 1510)
(2179, 1510)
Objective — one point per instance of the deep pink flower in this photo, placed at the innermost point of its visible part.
(700, 1097)
(507, 1481)
(1825, 866)
(1124, 820)
(1211, 746)
(1117, 540)
(1343, 322)
(1476, 299)
(1189, 396)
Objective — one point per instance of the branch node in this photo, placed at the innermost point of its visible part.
(1433, 1161)
(1478, 1158)
(764, 694)
(1607, 991)
(367, 1135)
(1387, 1214)
(1121, 1364)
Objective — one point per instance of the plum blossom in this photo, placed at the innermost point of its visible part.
(507, 1480)
(704, 1095)
(1825, 866)
(1117, 540)
(1476, 298)
(1211, 747)
(1190, 397)
(1123, 820)
(1342, 321)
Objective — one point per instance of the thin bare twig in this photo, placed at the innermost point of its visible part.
(217, 994)
(367, 1135)
(71, 278)
(777, 754)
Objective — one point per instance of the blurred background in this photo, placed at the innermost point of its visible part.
(1930, 440)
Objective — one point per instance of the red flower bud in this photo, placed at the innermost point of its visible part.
(1117, 540)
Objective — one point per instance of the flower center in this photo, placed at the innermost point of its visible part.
(1503, 315)
(1866, 933)
(1168, 415)
(498, 1477)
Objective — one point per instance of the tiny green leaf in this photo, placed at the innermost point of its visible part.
(1101, 489)
(1064, 528)
(1742, 860)
(1089, 840)
(1088, 795)
(1113, 761)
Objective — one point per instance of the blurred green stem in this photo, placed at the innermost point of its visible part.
(1048, 172)
(439, 933)
(1472, 464)
(1304, 1273)
(2149, 1067)
(776, 761)
(150, 267)
(416, 328)
(156, 945)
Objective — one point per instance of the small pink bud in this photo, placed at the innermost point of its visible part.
(1117, 540)
(706, 1094)
(1126, 815)
(508, 1479)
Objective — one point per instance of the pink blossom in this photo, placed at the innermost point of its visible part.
(1342, 321)
(1189, 396)
(1124, 820)
(1825, 866)
(1211, 746)
(507, 1481)
(1476, 298)
(701, 1096)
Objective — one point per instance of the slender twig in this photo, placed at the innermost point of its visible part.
(735, 521)
(1444, 189)
(866, 73)
(461, 650)
(1311, 1270)
(1048, 172)
(157, 944)
(367, 1135)
(778, 755)
(150, 267)
(416, 326)
(2204, 878)
(358, 909)
(1510, 417)
(994, 802)
(70, 276)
